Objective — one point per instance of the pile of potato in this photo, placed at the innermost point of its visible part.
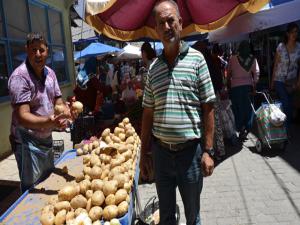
(102, 189)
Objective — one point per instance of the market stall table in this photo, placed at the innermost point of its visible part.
(27, 209)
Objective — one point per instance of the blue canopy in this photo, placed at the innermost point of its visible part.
(95, 49)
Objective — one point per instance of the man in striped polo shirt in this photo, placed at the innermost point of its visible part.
(178, 111)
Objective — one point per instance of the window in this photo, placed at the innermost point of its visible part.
(17, 25)
(17, 19)
(58, 63)
(1, 21)
(3, 72)
(18, 54)
(38, 19)
(55, 27)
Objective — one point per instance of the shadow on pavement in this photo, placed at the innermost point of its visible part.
(291, 154)
(230, 151)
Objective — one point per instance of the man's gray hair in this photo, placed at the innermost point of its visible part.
(172, 2)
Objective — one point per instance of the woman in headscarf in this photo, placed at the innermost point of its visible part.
(243, 73)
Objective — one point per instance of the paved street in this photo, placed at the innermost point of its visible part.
(246, 188)
(250, 188)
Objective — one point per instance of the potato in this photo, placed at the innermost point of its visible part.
(70, 215)
(89, 194)
(122, 136)
(97, 150)
(110, 199)
(118, 169)
(79, 151)
(122, 208)
(88, 205)
(105, 133)
(79, 177)
(121, 125)
(127, 155)
(110, 212)
(120, 196)
(127, 187)
(79, 211)
(96, 172)
(110, 187)
(118, 130)
(116, 162)
(78, 201)
(96, 144)
(116, 139)
(47, 209)
(129, 133)
(85, 149)
(87, 170)
(130, 140)
(95, 213)
(47, 218)
(97, 185)
(91, 147)
(105, 167)
(107, 139)
(128, 199)
(62, 205)
(123, 148)
(104, 174)
(77, 106)
(67, 193)
(129, 146)
(60, 217)
(125, 121)
(87, 177)
(105, 158)
(115, 222)
(84, 186)
(97, 222)
(59, 109)
(53, 200)
(98, 198)
(86, 159)
(121, 178)
(95, 160)
(116, 145)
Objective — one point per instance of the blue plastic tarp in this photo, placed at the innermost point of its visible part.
(95, 49)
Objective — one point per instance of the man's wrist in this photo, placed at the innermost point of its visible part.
(210, 151)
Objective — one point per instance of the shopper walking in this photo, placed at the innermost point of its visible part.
(285, 79)
(243, 74)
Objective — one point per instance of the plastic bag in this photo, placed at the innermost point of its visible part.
(277, 117)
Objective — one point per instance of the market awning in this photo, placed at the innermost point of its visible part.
(129, 52)
(248, 23)
(95, 49)
(129, 20)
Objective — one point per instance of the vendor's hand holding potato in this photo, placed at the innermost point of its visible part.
(59, 121)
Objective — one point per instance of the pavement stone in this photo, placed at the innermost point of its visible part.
(249, 188)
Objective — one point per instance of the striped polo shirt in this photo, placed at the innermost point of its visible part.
(176, 94)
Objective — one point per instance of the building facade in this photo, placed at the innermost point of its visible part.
(17, 18)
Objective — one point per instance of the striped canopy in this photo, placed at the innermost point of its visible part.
(132, 19)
